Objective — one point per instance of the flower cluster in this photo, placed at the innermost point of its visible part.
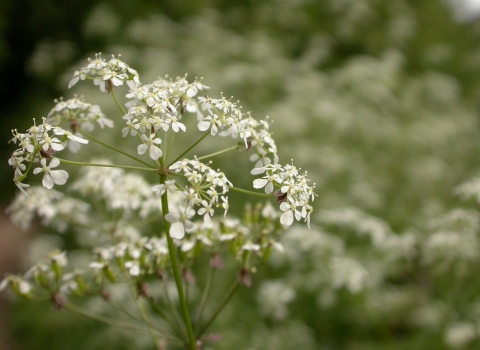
(40, 141)
(77, 114)
(206, 188)
(148, 255)
(106, 74)
(117, 190)
(53, 208)
(226, 119)
(142, 256)
(47, 279)
(159, 107)
(293, 192)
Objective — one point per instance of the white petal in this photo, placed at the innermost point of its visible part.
(214, 130)
(4, 284)
(73, 146)
(203, 125)
(188, 224)
(187, 246)
(142, 148)
(298, 215)
(177, 230)
(172, 217)
(37, 170)
(259, 183)
(73, 81)
(269, 188)
(257, 171)
(77, 139)
(182, 126)
(284, 206)
(155, 152)
(56, 146)
(47, 181)
(286, 218)
(158, 188)
(59, 177)
(54, 163)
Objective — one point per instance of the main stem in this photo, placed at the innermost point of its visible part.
(176, 270)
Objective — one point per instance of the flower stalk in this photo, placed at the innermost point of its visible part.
(176, 269)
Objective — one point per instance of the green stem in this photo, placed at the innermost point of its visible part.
(117, 102)
(220, 307)
(176, 269)
(105, 165)
(192, 146)
(219, 152)
(265, 195)
(112, 148)
(204, 296)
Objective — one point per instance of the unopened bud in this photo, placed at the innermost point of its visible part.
(244, 277)
(216, 261)
(143, 290)
(188, 276)
(58, 301)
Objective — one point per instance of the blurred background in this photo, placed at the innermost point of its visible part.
(377, 99)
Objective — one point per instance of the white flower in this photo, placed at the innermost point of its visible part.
(176, 125)
(206, 211)
(51, 177)
(150, 144)
(210, 121)
(60, 131)
(162, 188)
(21, 186)
(133, 267)
(4, 284)
(289, 211)
(225, 205)
(180, 222)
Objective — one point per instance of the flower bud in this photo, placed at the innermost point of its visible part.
(107, 271)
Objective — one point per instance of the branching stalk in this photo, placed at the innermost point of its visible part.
(233, 148)
(106, 165)
(112, 148)
(191, 147)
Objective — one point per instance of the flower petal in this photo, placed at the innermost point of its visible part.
(286, 218)
(47, 181)
(59, 177)
(259, 183)
(172, 217)
(177, 230)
